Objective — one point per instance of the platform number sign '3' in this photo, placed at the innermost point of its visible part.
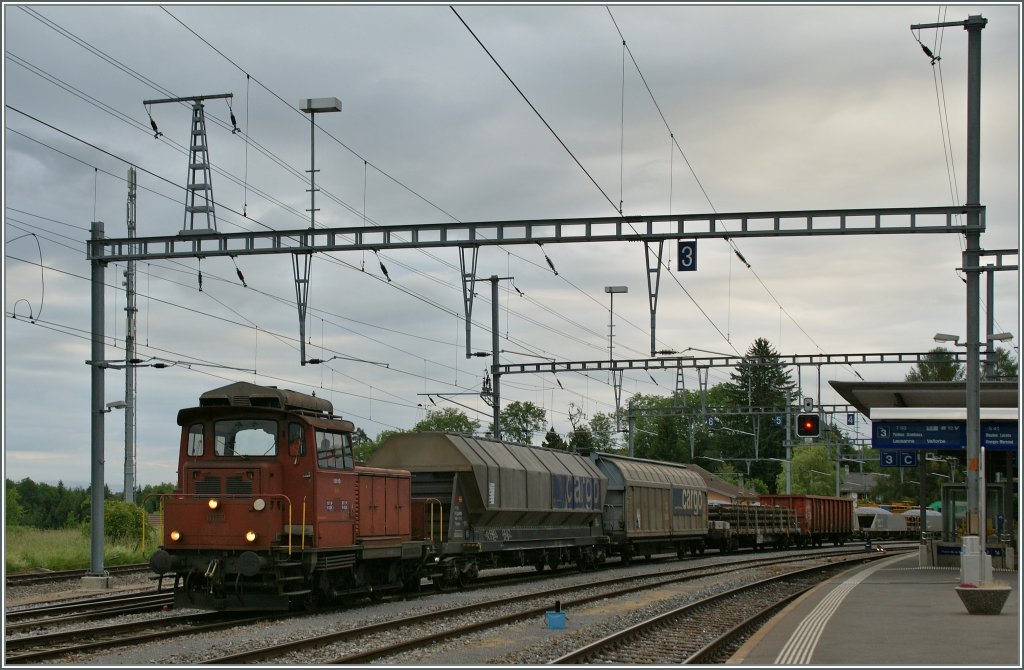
(687, 255)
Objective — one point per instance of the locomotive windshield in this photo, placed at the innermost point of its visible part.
(246, 437)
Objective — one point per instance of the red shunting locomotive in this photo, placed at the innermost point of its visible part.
(272, 511)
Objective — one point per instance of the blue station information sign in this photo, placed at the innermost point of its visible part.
(903, 434)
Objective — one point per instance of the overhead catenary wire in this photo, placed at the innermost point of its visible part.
(703, 191)
(244, 214)
(535, 110)
(366, 161)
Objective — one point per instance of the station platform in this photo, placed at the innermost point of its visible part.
(889, 612)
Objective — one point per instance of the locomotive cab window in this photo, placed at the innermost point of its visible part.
(195, 439)
(246, 437)
(296, 440)
(333, 450)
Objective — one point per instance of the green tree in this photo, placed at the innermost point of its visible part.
(602, 428)
(520, 420)
(756, 485)
(14, 513)
(447, 420)
(122, 520)
(582, 439)
(759, 382)
(149, 495)
(809, 462)
(939, 365)
(1005, 366)
(362, 446)
(553, 440)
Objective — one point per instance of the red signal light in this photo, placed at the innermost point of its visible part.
(808, 425)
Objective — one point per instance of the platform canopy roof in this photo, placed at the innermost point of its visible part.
(868, 395)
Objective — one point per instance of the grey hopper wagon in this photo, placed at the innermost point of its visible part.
(492, 503)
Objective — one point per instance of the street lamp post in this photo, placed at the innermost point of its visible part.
(611, 291)
(302, 261)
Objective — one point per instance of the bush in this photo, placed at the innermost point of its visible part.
(122, 522)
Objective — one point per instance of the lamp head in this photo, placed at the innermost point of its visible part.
(317, 105)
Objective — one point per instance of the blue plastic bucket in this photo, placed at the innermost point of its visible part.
(555, 619)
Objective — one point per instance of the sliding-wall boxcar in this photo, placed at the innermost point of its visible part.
(652, 507)
(820, 518)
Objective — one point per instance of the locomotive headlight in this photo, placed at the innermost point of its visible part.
(259, 504)
(250, 536)
(213, 503)
(175, 536)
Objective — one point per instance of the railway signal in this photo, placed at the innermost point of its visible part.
(808, 425)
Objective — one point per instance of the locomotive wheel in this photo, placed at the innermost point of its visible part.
(539, 565)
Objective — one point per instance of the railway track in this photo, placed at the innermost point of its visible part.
(104, 606)
(704, 632)
(39, 647)
(380, 641)
(47, 576)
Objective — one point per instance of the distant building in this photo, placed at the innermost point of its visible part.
(858, 485)
(722, 491)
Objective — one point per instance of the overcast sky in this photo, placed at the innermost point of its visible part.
(773, 108)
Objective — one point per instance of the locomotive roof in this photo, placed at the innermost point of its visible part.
(244, 394)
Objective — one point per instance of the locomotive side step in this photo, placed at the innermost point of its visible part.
(300, 592)
(288, 564)
(292, 578)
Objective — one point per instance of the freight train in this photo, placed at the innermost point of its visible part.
(272, 511)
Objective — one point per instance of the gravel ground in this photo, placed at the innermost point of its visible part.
(529, 642)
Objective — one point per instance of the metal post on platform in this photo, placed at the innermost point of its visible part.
(976, 499)
(973, 547)
(97, 577)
